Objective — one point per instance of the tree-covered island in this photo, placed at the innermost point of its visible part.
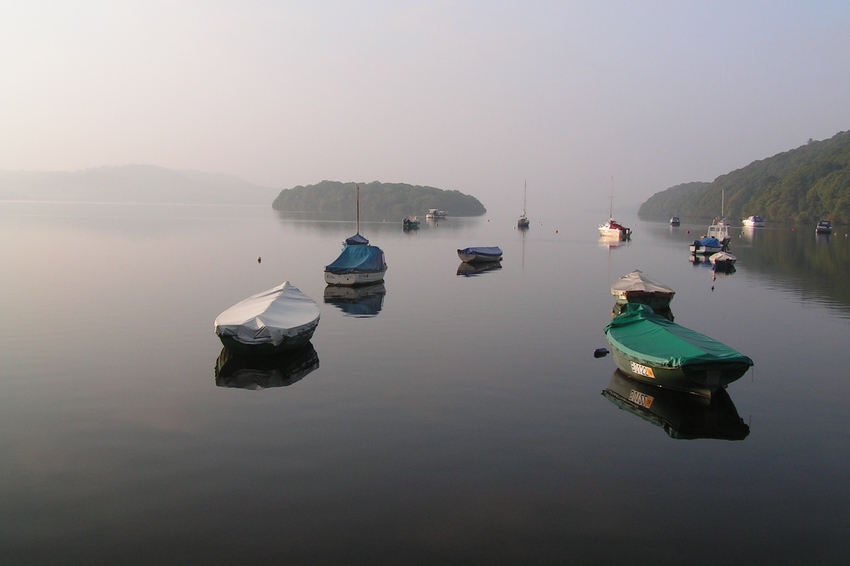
(378, 201)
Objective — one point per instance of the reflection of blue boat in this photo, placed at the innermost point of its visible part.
(362, 302)
(255, 373)
(682, 416)
(480, 254)
(470, 269)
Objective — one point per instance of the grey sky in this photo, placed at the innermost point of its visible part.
(473, 96)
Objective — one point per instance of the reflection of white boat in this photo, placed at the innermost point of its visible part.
(722, 260)
(257, 373)
(276, 320)
(480, 254)
(469, 269)
(359, 263)
(363, 302)
(753, 222)
(636, 287)
(682, 416)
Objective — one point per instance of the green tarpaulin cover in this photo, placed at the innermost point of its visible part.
(653, 340)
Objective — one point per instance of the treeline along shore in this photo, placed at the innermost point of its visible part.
(803, 185)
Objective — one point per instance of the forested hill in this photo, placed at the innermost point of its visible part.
(806, 184)
(378, 201)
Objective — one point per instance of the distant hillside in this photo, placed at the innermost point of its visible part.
(132, 183)
(378, 201)
(803, 185)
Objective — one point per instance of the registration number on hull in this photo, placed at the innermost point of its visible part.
(642, 370)
(640, 399)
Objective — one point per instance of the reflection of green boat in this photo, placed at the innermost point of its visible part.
(652, 349)
(262, 372)
(684, 417)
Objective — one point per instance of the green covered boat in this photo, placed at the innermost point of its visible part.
(652, 349)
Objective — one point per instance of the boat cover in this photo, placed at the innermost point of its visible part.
(269, 317)
(721, 257)
(708, 242)
(650, 339)
(491, 251)
(358, 258)
(356, 240)
(637, 282)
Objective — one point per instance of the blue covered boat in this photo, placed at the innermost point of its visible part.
(359, 263)
(480, 254)
(706, 246)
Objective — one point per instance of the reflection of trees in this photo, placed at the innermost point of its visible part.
(818, 266)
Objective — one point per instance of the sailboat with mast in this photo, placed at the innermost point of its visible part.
(523, 220)
(359, 263)
(719, 228)
(613, 229)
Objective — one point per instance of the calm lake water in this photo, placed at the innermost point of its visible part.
(445, 418)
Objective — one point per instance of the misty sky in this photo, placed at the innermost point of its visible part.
(473, 96)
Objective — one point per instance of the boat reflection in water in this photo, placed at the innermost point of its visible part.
(469, 269)
(262, 372)
(682, 416)
(361, 302)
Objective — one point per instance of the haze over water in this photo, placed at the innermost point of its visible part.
(461, 421)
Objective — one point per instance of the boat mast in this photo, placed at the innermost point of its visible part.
(611, 199)
(357, 207)
(524, 193)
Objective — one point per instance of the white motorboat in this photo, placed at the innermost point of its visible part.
(753, 222)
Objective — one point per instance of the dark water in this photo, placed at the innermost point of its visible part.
(443, 418)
